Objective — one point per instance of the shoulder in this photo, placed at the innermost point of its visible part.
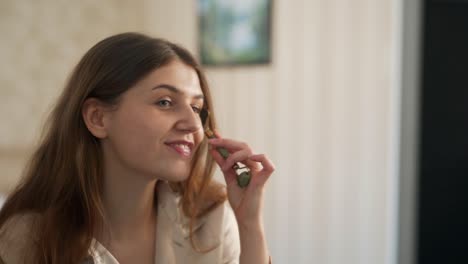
(222, 225)
(217, 225)
(215, 231)
(17, 237)
(218, 211)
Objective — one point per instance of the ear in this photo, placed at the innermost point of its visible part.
(94, 116)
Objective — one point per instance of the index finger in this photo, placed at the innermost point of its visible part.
(229, 144)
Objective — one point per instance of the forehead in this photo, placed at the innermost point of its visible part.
(176, 74)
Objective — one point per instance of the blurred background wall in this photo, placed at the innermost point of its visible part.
(41, 43)
(325, 110)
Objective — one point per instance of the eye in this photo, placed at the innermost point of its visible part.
(204, 113)
(196, 109)
(164, 103)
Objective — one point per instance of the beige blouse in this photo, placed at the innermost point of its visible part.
(217, 229)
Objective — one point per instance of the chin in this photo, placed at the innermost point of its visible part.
(176, 176)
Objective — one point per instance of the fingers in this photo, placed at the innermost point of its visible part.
(267, 165)
(242, 156)
(238, 156)
(238, 152)
(267, 170)
(260, 165)
(229, 176)
(229, 144)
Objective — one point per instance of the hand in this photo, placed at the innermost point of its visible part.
(247, 202)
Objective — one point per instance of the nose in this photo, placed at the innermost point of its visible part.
(189, 121)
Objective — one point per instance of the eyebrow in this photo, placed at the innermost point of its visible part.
(176, 90)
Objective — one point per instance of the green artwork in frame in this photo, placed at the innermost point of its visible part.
(234, 32)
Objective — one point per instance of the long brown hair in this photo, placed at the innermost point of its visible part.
(62, 182)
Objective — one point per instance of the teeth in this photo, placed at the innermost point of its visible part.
(183, 147)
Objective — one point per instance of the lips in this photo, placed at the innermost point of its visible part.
(182, 147)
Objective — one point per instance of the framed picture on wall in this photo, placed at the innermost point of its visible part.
(234, 32)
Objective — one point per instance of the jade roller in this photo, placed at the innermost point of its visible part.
(242, 171)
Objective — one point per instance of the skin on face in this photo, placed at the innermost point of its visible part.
(156, 129)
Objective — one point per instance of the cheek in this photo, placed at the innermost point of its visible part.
(136, 133)
(198, 137)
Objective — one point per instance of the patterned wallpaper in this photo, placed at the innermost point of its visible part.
(41, 43)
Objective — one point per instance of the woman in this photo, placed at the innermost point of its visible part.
(123, 173)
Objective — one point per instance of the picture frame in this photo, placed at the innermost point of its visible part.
(234, 32)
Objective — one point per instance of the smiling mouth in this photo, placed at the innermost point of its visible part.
(182, 149)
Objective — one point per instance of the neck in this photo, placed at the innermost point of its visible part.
(129, 206)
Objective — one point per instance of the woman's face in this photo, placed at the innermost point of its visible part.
(156, 127)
